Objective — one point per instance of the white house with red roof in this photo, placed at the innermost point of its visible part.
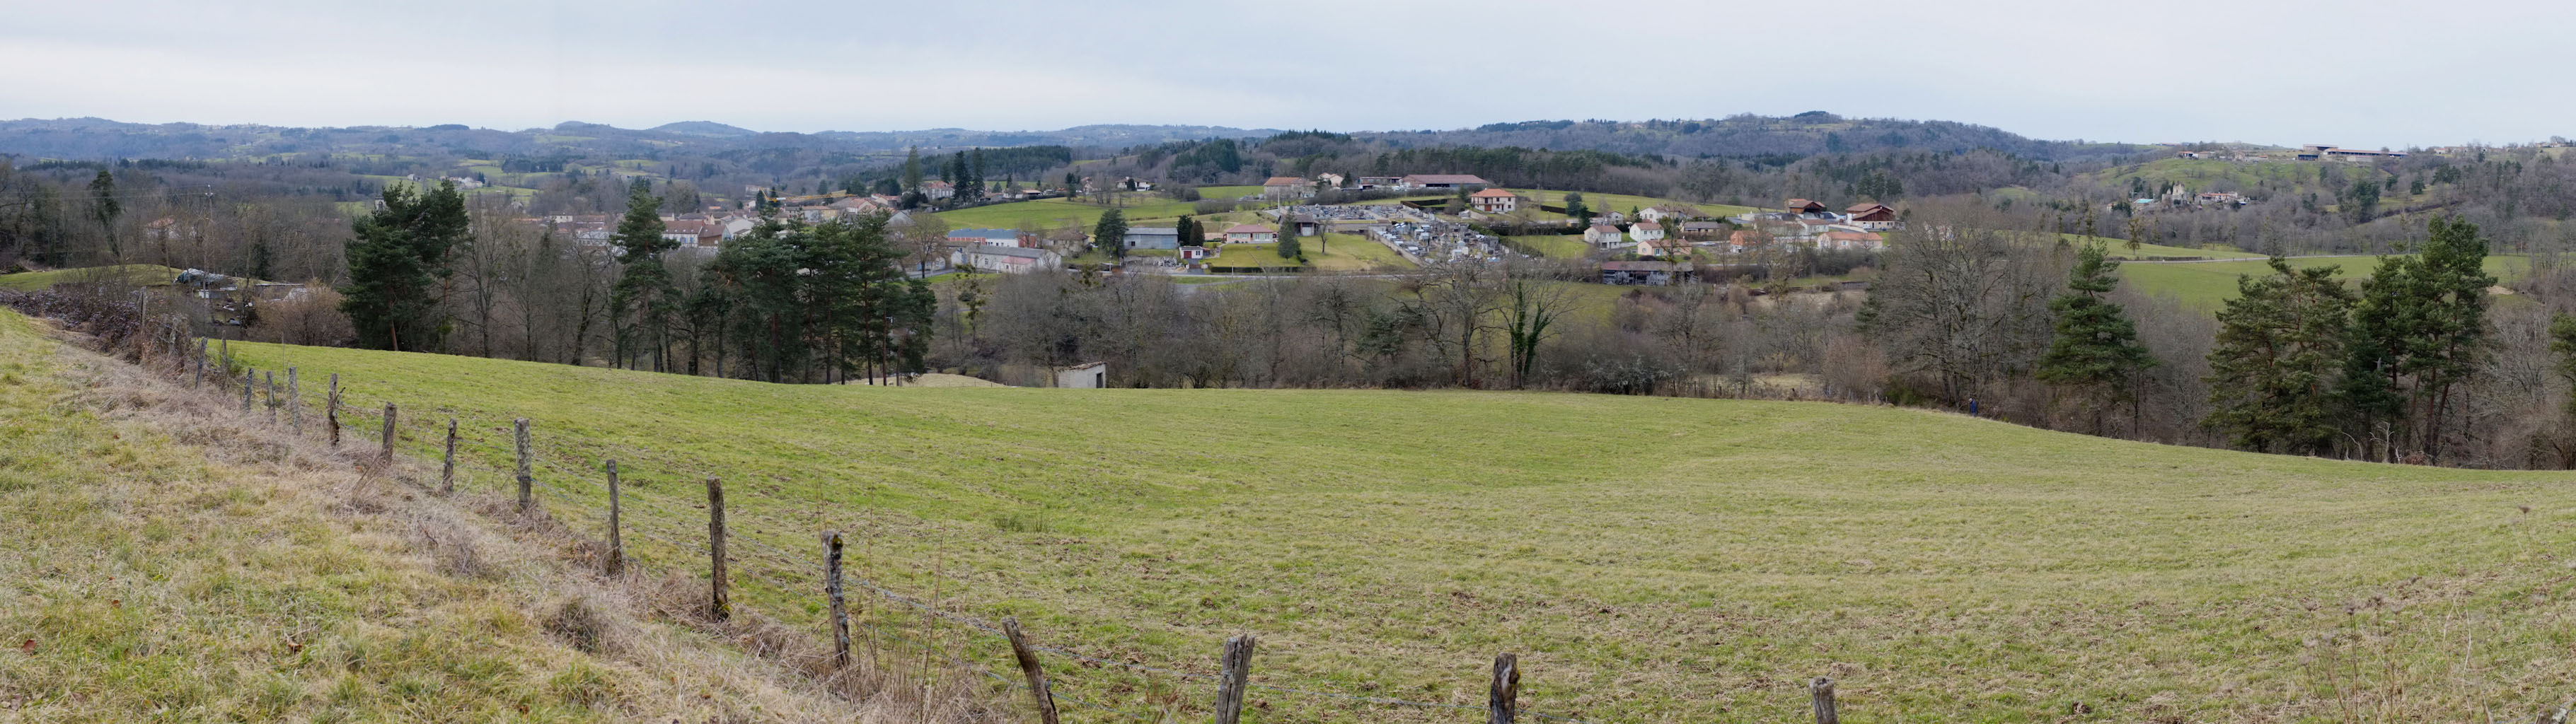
(1494, 201)
(1251, 234)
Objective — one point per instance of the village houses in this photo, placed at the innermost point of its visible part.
(1605, 236)
(1494, 201)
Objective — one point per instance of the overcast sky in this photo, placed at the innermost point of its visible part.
(2361, 74)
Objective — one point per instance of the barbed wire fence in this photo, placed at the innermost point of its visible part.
(569, 486)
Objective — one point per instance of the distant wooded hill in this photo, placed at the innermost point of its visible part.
(1744, 136)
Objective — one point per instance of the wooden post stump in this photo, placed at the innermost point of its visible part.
(719, 603)
(1502, 699)
(294, 404)
(840, 608)
(1028, 663)
(250, 381)
(331, 410)
(1821, 692)
(386, 455)
(527, 482)
(447, 464)
(616, 537)
(1229, 687)
(270, 387)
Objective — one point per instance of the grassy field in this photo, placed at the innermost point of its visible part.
(167, 563)
(1623, 202)
(127, 275)
(1351, 252)
(1650, 559)
(1564, 246)
(1228, 192)
(2119, 249)
(1053, 213)
(2208, 285)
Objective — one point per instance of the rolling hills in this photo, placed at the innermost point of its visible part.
(1650, 559)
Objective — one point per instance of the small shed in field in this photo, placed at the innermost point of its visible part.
(1084, 377)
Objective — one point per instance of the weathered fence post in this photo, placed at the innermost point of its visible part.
(270, 387)
(331, 410)
(294, 403)
(719, 604)
(616, 536)
(1502, 700)
(250, 381)
(1019, 649)
(447, 465)
(227, 368)
(387, 454)
(527, 482)
(840, 609)
(199, 379)
(1822, 692)
(1229, 687)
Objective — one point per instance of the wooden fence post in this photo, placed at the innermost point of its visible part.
(840, 609)
(1821, 691)
(1503, 698)
(447, 465)
(719, 604)
(1019, 649)
(331, 410)
(250, 381)
(527, 482)
(270, 387)
(616, 537)
(387, 454)
(1229, 687)
(294, 403)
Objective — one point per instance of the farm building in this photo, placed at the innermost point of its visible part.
(1638, 273)
(1006, 259)
(1804, 207)
(1153, 237)
(997, 237)
(1668, 212)
(1441, 181)
(1871, 217)
(1284, 187)
(1703, 229)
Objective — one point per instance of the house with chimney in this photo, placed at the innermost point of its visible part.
(1494, 201)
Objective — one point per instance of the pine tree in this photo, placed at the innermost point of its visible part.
(1574, 208)
(397, 255)
(643, 301)
(2280, 343)
(912, 170)
(2097, 349)
(1111, 233)
(973, 189)
(104, 208)
(1188, 230)
(1289, 248)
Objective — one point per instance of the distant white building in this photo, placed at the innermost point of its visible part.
(1083, 377)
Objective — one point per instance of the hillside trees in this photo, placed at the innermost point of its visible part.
(104, 209)
(2417, 332)
(2096, 351)
(2272, 373)
(397, 257)
(1960, 306)
(818, 303)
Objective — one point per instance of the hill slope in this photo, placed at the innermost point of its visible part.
(1650, 559)
(167, 561)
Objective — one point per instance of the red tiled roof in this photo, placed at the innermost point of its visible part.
(1493, 194)
(1446, 178)
(1284, 181)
